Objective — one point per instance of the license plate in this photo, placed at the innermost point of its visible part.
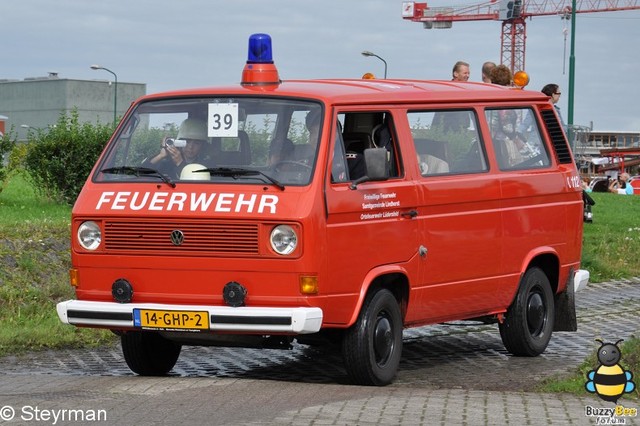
(171, 320)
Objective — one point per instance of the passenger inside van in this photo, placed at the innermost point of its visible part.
(505, 137)
(281, 150)
(285, 156)
(454, 152)
(173, 156)
(305, 153)
(431, 154)
(432, 165)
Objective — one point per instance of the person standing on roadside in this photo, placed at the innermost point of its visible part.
(460, 71)
(501, 75)
(452, 121)
(486, 71)
(553, 91)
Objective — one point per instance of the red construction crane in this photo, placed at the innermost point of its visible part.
(512, 13)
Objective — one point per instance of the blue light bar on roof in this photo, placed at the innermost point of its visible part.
(260, 49)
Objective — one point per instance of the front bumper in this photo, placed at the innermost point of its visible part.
(580, 279)
(222, 318)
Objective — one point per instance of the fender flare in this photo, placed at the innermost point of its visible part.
(369, 278)
(526, 263)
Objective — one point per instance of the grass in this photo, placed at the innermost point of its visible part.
(34, 260)
(34, 264)
(22, 208)
(612, 242)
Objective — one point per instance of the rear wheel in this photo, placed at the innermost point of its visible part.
(528, 324)
(148, 353)
(372, 347)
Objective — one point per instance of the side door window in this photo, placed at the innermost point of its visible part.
(358, 131)
(516, 139)
(447, 142)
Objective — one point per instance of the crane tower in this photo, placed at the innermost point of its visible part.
(512, 14)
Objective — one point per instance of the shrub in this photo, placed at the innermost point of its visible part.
(60, 159)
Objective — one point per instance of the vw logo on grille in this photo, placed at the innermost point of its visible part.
(177, 237)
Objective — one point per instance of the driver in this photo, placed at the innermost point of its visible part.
(281, 151)
(305, 153)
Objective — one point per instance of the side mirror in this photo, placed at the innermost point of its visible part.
(376, 162)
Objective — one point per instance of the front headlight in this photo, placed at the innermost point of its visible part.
(89, 235)
(283, 239)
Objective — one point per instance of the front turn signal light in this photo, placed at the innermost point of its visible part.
(308, 284)
(74, 280)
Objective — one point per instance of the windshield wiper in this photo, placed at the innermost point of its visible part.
(138, 171)
(237, 172)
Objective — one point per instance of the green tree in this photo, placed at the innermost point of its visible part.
(60, 158)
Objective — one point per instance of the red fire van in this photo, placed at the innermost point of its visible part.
(327, 212)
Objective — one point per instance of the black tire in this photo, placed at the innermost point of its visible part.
(148, 353)
(372, 347)
(527, 327)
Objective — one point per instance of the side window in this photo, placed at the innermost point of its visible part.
(516, 139)
(364, 130)
(447, 142)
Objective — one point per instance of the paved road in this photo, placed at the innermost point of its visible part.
(450, 374)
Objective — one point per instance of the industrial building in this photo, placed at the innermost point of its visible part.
(37, 102)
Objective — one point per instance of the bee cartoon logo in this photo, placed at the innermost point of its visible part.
(609, 381)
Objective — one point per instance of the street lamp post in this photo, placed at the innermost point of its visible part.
(27, 128)
(32, 131)
(367, 53)
(115, 93)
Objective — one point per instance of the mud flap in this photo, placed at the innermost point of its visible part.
(565, 307)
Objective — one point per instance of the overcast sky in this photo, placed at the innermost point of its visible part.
(172, 44)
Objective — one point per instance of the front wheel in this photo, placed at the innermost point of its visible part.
(528, 324)
(372, 347)
(148, 353)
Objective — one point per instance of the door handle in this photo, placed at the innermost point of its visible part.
(410, 214)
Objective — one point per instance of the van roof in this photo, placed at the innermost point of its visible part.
(350, 91)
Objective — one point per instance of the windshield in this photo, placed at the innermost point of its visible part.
(248, 140)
